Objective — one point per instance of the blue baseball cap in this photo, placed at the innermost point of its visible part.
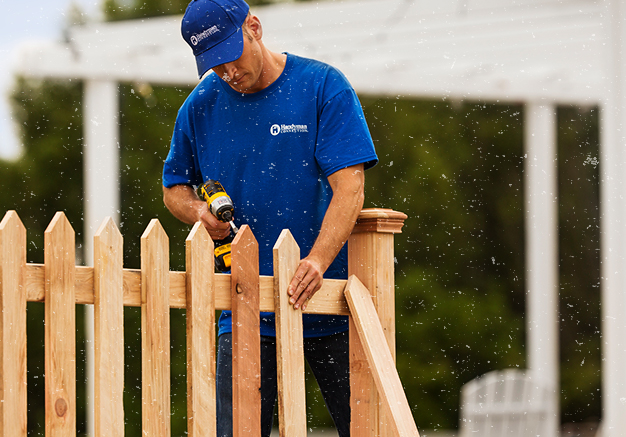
(212, 28)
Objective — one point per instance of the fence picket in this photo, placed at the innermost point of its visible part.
(155, 329)
(13, 402)
(108, 330)
(246, 338)
(60, 328)
(200, 333)
(289, 341)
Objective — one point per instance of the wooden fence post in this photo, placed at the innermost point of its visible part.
(108, 330)
(13, 402)
(155, 331)
(60, 327)
(289, 341)
(200, 315)
(246, 338)
(371, 259)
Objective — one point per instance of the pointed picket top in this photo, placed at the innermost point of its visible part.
(200, 261)
(109, 230)
(285, 240)
(154, 258)
(12, 241)
(154, 230)
(198, 231)
(59, 244)
(59, 223)
(13, 392)
(108, 329)
(11, 219)
(200, 240)
(59, 255)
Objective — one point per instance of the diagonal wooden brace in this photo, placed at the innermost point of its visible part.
(379, 358)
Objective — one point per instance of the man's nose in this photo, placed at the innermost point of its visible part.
(230, 70)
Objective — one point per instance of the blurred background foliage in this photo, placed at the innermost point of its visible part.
(456, 170)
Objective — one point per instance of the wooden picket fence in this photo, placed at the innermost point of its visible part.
(379, 406)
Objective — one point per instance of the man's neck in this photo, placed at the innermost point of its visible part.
(273, 66)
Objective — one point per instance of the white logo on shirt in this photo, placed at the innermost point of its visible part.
(288, 129)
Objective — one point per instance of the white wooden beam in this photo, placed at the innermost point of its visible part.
(101, 192)
(485, 50)
(542, 255)
(612, 226)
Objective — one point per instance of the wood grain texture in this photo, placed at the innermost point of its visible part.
(289, 342)
(200, 300)
(246, 337)
(13, 401)
(381, 362)
(363, 397)
(60, 328)
(155, 331)
(108, 330)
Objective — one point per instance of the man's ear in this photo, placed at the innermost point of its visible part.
(254, 27)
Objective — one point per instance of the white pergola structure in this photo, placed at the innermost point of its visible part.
(541, 53)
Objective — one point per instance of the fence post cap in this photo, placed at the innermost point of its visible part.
(382, 220)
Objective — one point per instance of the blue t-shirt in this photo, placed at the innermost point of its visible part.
(272, 151)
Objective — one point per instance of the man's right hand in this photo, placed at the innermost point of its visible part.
(184, 203)
(217, 230)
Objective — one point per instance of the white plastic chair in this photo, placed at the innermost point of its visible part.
(508, 403)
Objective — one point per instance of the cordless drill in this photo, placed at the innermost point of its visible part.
(221, 206)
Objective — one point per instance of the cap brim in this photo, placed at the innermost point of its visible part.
(226, 51)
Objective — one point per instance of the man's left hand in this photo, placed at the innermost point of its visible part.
(305, 283)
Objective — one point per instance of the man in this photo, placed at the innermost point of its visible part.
(287, 139)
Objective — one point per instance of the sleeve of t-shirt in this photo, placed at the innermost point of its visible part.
(343, 136)
(181, 166)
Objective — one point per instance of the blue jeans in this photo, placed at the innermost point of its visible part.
(328, 358)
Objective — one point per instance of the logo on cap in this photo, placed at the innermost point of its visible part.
(195, 39)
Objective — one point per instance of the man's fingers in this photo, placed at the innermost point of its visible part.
(217, 230)
(297, 280)
(304, 284)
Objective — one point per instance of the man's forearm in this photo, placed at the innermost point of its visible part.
(338, 223)
(344, 208)
(183, 202)
(186, 206)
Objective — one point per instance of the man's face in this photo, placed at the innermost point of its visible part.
(245, 75)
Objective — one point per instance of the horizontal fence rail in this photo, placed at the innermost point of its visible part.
(60, 285)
